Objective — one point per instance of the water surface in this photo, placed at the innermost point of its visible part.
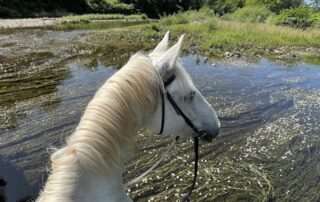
(269, 147)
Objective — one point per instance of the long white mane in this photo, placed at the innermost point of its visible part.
(112, 118)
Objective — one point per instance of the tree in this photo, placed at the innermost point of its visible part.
(222, 7)
(276, 5)
(30, 8)
(315, 5)
(157, 8)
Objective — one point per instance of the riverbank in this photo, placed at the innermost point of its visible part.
(27, 22)
(206, 35)
(213, 37)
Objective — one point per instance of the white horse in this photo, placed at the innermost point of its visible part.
(90, 166)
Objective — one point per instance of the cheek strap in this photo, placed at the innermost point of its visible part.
(165, 83)
(175, 107)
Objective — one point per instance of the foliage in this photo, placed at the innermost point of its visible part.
(275, 5)
(109, 6)
(315, 18)
(300, 17)
(315, 4)
(153, 8)
(19, 8)
(250, 14)
(187, 17)
(222, 7)
(156, 9)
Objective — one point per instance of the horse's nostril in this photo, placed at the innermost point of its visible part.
(208, 136)
(202, 133)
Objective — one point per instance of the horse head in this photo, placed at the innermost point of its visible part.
(184, 110)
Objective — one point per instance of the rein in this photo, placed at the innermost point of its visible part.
(199, 134)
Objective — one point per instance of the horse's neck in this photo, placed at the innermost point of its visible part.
(104, 187)
(71, 183)
(95, 143)
(97, 188)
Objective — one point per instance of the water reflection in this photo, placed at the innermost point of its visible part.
(28, 81)
(49, 117)
(13, 184)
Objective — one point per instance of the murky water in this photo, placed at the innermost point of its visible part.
(268, 150)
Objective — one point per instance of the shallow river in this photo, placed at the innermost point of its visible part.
(268, 149)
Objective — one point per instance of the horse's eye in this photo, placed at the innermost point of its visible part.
(192, 94)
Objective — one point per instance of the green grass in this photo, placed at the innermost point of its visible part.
(230, 35)
(253, 14)
(74, 19)
(312, 59)
(212, 36)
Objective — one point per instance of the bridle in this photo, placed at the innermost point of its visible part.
(163, 92)
(199, 133)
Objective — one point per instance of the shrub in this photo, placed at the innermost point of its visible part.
(156, 9)
(315, 18)
(109, 6)
(250, 14)
(299, 17)
(179, 18)
(188, 16)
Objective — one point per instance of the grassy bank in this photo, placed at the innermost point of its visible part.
(212, 36)
(92, 17)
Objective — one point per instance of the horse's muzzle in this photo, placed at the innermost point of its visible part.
(207, 136)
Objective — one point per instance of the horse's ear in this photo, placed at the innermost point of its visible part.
(167, 61)
(163, 45)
